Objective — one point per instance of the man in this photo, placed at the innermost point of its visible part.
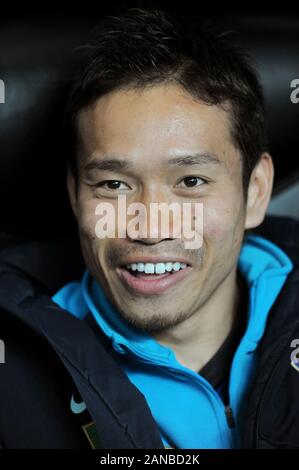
(144, 342)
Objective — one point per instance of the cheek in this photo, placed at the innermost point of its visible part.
(87, 218)
(93, 248)
(216, 222)
(222, 220)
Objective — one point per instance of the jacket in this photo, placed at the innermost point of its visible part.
(53, 358)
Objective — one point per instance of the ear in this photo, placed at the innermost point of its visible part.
(259, 191)
(72, 190)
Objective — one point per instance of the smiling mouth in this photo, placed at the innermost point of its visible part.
(152, 278)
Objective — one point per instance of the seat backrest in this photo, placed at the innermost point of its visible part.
(35, 69)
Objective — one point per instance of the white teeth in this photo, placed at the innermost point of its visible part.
(140, 267)
(132, 266)
(160, 268)
(176, 266)
(168, 267)
(149, 268)
(156, 268)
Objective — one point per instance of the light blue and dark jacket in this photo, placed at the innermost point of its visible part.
(88, 378)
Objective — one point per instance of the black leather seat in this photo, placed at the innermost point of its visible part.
(35, 65)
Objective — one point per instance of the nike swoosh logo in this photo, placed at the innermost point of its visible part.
(77, 408)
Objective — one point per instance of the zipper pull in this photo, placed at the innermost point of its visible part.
(230, 417)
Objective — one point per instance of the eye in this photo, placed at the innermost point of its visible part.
(192, 181)
(112, 185)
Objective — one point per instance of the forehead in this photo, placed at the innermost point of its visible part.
(154, 123)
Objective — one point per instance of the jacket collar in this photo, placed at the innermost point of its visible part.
(115, 404)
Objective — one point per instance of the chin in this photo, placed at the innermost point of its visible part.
(153, 320)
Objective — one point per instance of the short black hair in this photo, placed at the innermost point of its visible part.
(143, 47)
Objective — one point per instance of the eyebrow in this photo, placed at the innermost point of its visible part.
(196, 159)
(109, 164)
(120, 164)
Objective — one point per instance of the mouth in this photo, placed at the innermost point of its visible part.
(142, 277)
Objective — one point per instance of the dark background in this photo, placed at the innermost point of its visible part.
(35, 63)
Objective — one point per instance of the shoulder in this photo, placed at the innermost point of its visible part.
(284, 232)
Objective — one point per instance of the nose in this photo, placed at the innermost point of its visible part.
(155, 218)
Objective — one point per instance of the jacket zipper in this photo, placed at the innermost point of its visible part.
(228, 411)
(229, 417)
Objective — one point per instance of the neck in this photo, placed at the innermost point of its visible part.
(197, 339)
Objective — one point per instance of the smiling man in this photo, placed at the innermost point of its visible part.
(154, 149)
(159, 345)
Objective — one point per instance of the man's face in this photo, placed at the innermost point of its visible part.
(146, 131)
